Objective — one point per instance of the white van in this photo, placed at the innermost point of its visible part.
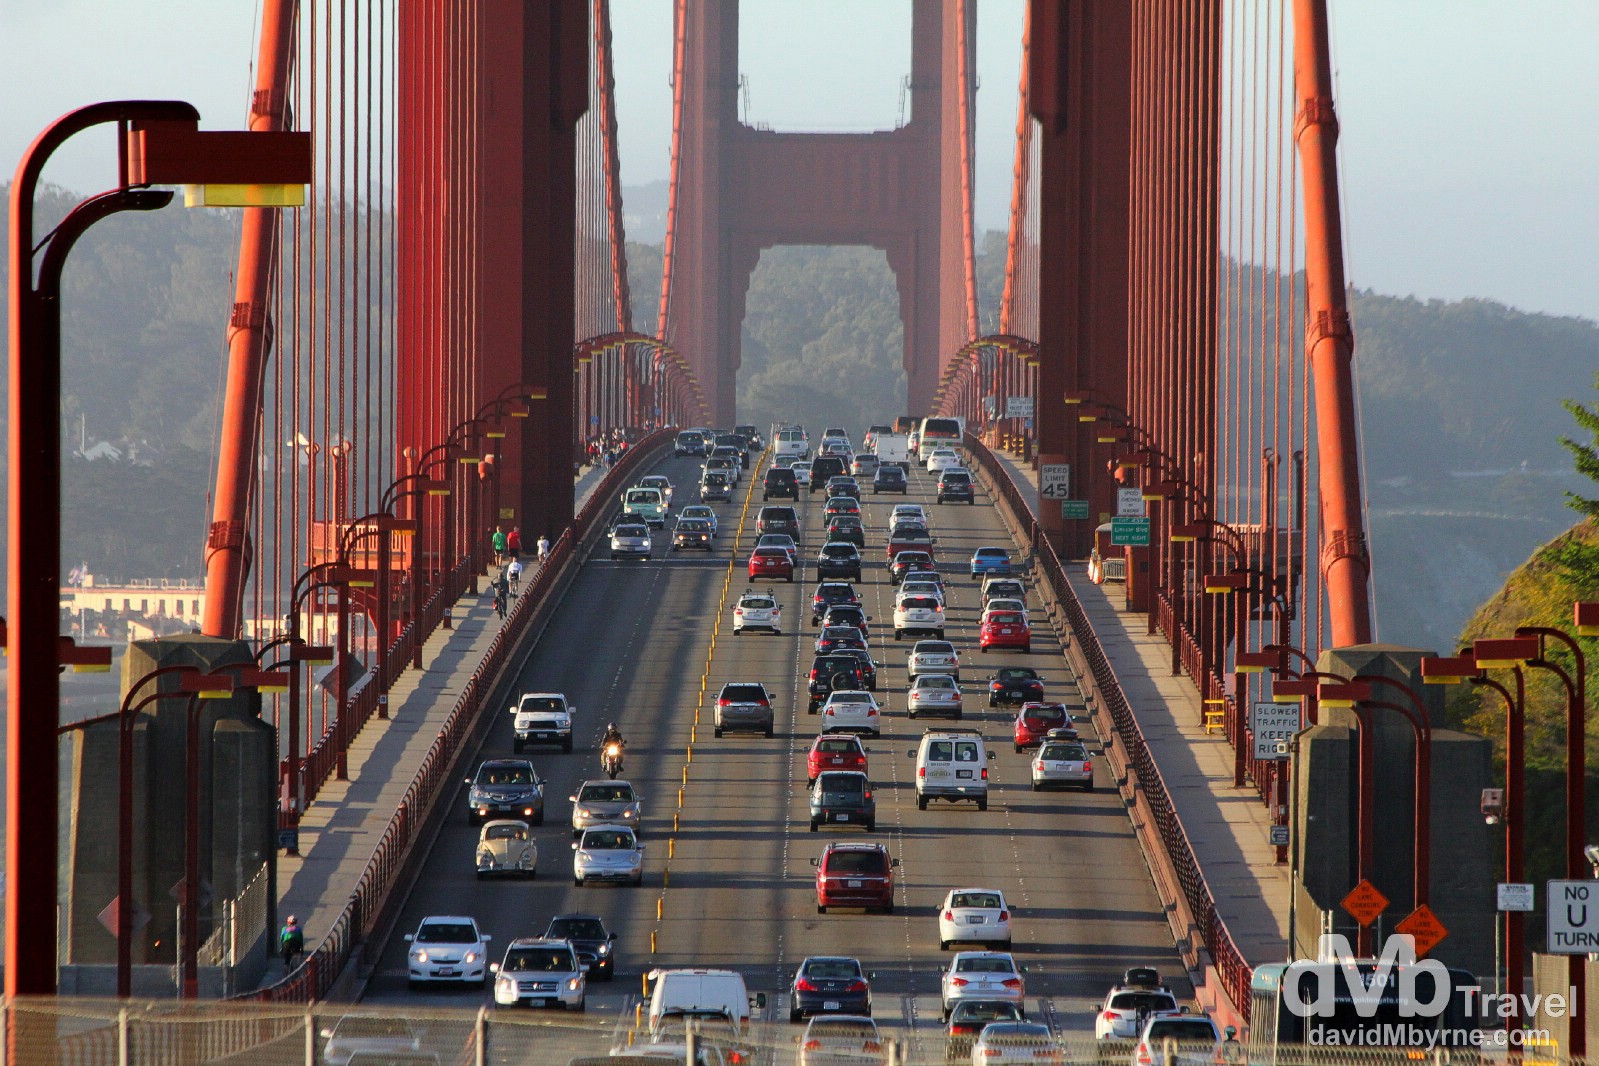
(952, 764)
(792, 442)
(893, 449)
(716, 998)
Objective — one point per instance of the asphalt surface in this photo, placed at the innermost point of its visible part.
(629, 645)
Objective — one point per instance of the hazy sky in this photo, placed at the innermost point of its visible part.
(1469, 156)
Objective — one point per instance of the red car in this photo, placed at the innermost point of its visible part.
(834, 751)
(1035, 720)
(855, 875)
(771, 563)
(1004, 629)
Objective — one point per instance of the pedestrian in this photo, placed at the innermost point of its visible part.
(502, 594)
(513, 542)
(544, 549)
(498, 543)
(291, 942)
(514, 572)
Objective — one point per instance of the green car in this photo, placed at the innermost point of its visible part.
(649, 503)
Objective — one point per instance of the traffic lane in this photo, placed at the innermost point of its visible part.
(613, 663)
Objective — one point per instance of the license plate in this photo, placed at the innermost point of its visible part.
(975, 919)
(854, 884)
(963, 773)
(842, 817)
(1004, 632)
(449, 973)
(830, 1004)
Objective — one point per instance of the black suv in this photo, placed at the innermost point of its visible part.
(829, 593)
(738, 448)
(752, 437)
(824, 668)
(843, 797)
(848, 614)
(868, 667)
(779, 519)
(1014, 685)
(846, 527)
(890, 479)
(824, 467)
(780, 482)
(956, 485)
(908, 562)
(839, 559)
(595, 946)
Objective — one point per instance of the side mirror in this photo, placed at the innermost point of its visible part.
(574, 845)
(325, 1033)
(485, 937)
(611, 937)
(991, 756)
(583, 966)
(893, 862)
(816, 862)
(910, 754)
(760, 1000)
(571, 799)
(410, 937)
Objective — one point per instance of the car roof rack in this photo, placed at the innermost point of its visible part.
(953, 731)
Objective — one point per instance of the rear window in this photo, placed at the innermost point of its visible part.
(1136, 1001)
(834, 746)
(1005, 618)
(920, 602)
(934, 647)
(956, 477)
(1063, 753)
(759, 603)
(839, 551)
(857, 862)
(940, 751)
(1183, 1030)
(777, 514)
(744, 693)
(851, 783)
(771, 553)
(1046, 714)
(779, 473)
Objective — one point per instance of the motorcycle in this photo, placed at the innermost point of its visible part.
(611, 759)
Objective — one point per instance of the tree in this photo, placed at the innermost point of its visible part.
(1585, 455)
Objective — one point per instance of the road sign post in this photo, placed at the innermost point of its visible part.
(1054, 481)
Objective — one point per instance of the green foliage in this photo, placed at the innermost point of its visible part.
(644, 285)
(128, 521)
(1586, 456)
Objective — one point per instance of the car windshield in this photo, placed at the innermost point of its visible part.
(576, 929)
(697, 511)
(834, 746)
(539, 960)
(542, 703)
(851, 783)
(606, 794)
(607, 840)
(632, 531)
(506, 832)
(505, 775)
(715, 479)
(855, 862)
(1064, 752)
(693, 525)
(976, 899)
(446, 933)
(1182, 1030)
(935, 681)
(984, 965)
(643, 496)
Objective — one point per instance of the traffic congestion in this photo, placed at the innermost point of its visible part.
(807, 755)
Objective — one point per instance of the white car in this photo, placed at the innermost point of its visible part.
(1196, 1039)
(540, 973)
(918, 614)
(542, 718)
(702, 512)
(922, 583)
(447, 948)
(942, 459)
(982, 975)
(903, 511)
(1015, 1043)
(505, 846)
(631, 539)
(802, 472)
(370, 1036)
(933, 657)
(605, 802)
(1128, 1007)
(658, 481)
(757, 610)
(934, 694)
(974, 915)
(780, 540)
(1007, 603)
(853, 711)
(608, 853)
(1063, 764)
(831, 1039)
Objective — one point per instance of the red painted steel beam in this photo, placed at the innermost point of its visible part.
(1329, 339)
(227, 553)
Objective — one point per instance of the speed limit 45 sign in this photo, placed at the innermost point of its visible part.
(1055, 481)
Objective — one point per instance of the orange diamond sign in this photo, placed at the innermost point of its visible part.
(1424, 926)
(1364, 903)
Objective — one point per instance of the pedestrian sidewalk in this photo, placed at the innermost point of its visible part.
(341, 829)
(1227, 827)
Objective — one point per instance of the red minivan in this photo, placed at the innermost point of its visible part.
(855, 875)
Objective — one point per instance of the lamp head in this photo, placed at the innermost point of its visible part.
(1493, 805)
(1592, 852)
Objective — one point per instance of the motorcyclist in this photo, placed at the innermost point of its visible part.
(611, 736)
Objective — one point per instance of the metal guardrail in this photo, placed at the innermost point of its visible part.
(1234, 969)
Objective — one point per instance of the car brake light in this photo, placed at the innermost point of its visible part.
(988, 1051)
(1111, 1015)
(871, 1045)
(857, 985)
(1143, 1054)
(812, 1045)
(723, 701)
(985, 773)
(804, 985)
(958, 982)
(1004, 916)
(921, 771)
(1012, 982)
(948, 916)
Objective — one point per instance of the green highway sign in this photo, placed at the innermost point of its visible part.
(1074, 509)
(1129, 532)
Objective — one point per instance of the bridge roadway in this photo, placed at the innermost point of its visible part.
(629, 644)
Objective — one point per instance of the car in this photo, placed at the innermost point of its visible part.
(649, 502)
(780, 482)
(835, 670)
(824, 467)
(1129, 1005)
(907, 510)
(1034, 720)
(837, 505)
(829, 594)
(802, 472)
(943, 459)
(752, 437)
(779, 540)
(852, 710)
(890, 479)
(757, 610)
(952, 765)
(867, 665)
(744, 705)
(1178, 1039)
(629, 539)
(909, 562)
(505, 788)
(839, 1039)
(839, 559)
(540, 973)
(832, 985)
(726, 460)
(842, 797)
(448, 948)
(955, 486)
(864, 465)
(974, 915)
(542, 718)
(792, 442)
(771, 563)
(1005, 603)
(1062, 763)
(847, 527)
(849, 614)
(688, 443)
(506, 847)
(716, 485)
(933, 657)
(778, 518)
(595, 945)
(702, 513)
(1004, 629)
(357, 1037)
(933, 694)
(692, 533)
(834, 751)
(602, 801)
(990, 560)
(1012, 685)
(907, 538)
(918, 614)
(608, 853)
(970, 1017)
(982, 975)
(1013, 1043)
(1009, 588)
(922, 583)
(837, 637)
(845, 486)
(855, 875)
(658, 481)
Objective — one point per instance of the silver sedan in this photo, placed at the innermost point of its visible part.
(608, 853)
(934, 694)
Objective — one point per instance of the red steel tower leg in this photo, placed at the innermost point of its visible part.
(227, 555)
(1329, 341)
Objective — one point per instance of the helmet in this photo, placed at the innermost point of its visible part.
(612, 728)
(293, 920)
